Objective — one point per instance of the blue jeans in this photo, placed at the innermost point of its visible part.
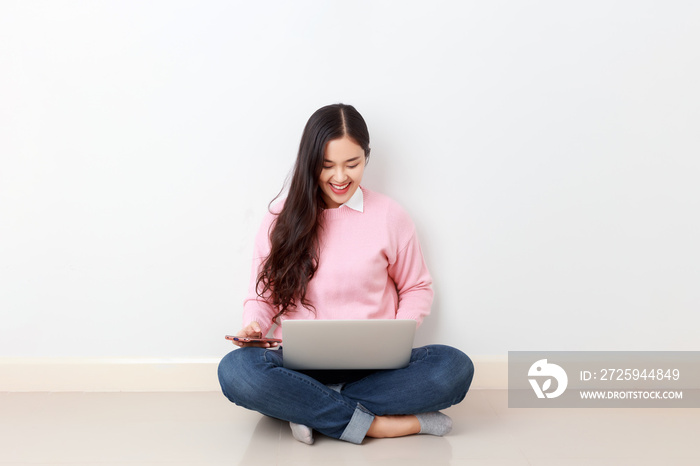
(437, 377)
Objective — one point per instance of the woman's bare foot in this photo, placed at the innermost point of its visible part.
(434, 423)
(393, 426)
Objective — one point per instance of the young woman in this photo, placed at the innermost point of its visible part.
(335, 250)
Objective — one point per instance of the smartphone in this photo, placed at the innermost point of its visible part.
(253, 340)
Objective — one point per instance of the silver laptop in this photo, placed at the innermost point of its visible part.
(347, 344)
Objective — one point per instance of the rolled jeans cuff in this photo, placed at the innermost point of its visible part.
(358, 426)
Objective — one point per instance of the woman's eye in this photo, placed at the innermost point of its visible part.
(327, 168)
(353, 166)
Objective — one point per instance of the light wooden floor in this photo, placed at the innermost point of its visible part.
(205, 429)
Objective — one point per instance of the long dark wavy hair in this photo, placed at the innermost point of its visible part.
(293, 260)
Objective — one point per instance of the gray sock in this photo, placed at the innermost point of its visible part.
(434, 423)
(302, 433)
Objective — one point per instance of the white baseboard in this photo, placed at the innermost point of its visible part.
(158, 375)
(490, 372)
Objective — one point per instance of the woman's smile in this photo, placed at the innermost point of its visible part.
(340, 189)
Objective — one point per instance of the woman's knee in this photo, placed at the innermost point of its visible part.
(456, 371)
(236, 373)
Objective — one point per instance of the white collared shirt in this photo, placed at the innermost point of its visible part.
(357, 201)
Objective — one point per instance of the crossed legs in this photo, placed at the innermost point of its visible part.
(379, 404)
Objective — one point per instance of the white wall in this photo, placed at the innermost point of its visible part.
(547, 151)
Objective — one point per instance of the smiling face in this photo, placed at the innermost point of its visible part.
(343, 167)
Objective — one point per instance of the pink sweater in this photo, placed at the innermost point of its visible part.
(370, 267)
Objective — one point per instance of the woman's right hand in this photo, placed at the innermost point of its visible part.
(252, 330)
